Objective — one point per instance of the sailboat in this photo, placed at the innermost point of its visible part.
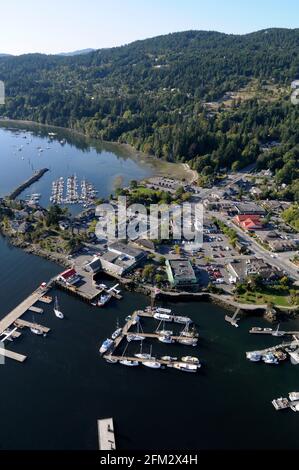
(152, 363)
(128, 362)
(57, 310)
(136, 336)
(142, 355)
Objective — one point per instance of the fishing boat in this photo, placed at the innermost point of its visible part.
(57, 310)
(191, 360)
(106, 345)
(186, 367)
(104, 299)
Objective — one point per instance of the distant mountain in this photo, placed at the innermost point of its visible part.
(72, 54)
(5, 55)
(203, 97)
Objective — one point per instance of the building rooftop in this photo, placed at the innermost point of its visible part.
(182, 269)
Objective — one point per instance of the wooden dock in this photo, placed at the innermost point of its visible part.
(233, 320)
(36, 310)
(275, 348)
(26, 324)
(273, 332)
(12, 355)
(20, 310)
(106, 434)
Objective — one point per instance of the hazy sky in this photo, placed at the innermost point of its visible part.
(53, 26)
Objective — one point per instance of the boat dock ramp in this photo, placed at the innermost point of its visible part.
(234, 319)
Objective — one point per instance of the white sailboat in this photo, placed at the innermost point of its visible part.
(57, 310)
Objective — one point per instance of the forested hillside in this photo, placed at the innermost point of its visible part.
(205, 98)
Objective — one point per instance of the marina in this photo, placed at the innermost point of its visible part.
(109, 347)
(85, 196)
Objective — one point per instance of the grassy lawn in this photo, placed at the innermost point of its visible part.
(266, 296)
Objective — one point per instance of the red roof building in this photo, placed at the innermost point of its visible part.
(69, 277)
(250, 223)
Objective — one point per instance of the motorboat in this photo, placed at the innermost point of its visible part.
(254, 356)
(135, 337)
(106, 345)
(111, 360)
(104, 299)
(186, 367)
(277, 332)
(36, 331)
(152, 364)
(269, 358)
(294, 355)
(169, 358)
(116, 334)
(191, 360)
(129, 363)
(163, 317)
(294, 396)
(182, 320)
(165, 332)
(295, 407)
(188, 341)
(166, 339)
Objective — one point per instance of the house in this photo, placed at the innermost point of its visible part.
(69, 277)
(252, 267)
(94, 266)
(247, 222)
(180, 273)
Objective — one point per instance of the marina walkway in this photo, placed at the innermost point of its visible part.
(12, 355)
(20, 310)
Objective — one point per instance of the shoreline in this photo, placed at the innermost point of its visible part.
(221, 300)
(160, 167)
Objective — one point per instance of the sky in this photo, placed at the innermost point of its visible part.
(53, 26)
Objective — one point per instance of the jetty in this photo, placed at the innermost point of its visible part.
(274, 348)
(271, 332)
(234, 319)
(37, 175)
(26, 324)
(12, 355)
(106, 434)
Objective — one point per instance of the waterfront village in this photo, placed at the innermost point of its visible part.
(247, 261)
(249, 255)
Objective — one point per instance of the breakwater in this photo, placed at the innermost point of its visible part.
(37, 175)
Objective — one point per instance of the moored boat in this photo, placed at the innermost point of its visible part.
(294, 396)
(57, 310)
(166, 339)
(129, 363)
(191, 360)
(254, 356)
(106, 345)
(186, 367)
(152, 364)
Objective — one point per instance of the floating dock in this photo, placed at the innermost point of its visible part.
(20, 310)
(36, 310)
(234, 319)
(12, 355)
(26, 324)
(270, 331)
(106, 434)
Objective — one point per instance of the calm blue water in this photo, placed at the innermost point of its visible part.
(104, 165)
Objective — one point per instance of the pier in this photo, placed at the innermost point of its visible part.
(233, 320)
(12, 355)
(26, 324)
(35, 177)
(274, 348)
(36, 310)
(20, 310)
(106, 434)
(269, 331)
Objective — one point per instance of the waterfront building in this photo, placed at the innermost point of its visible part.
(181, 273)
